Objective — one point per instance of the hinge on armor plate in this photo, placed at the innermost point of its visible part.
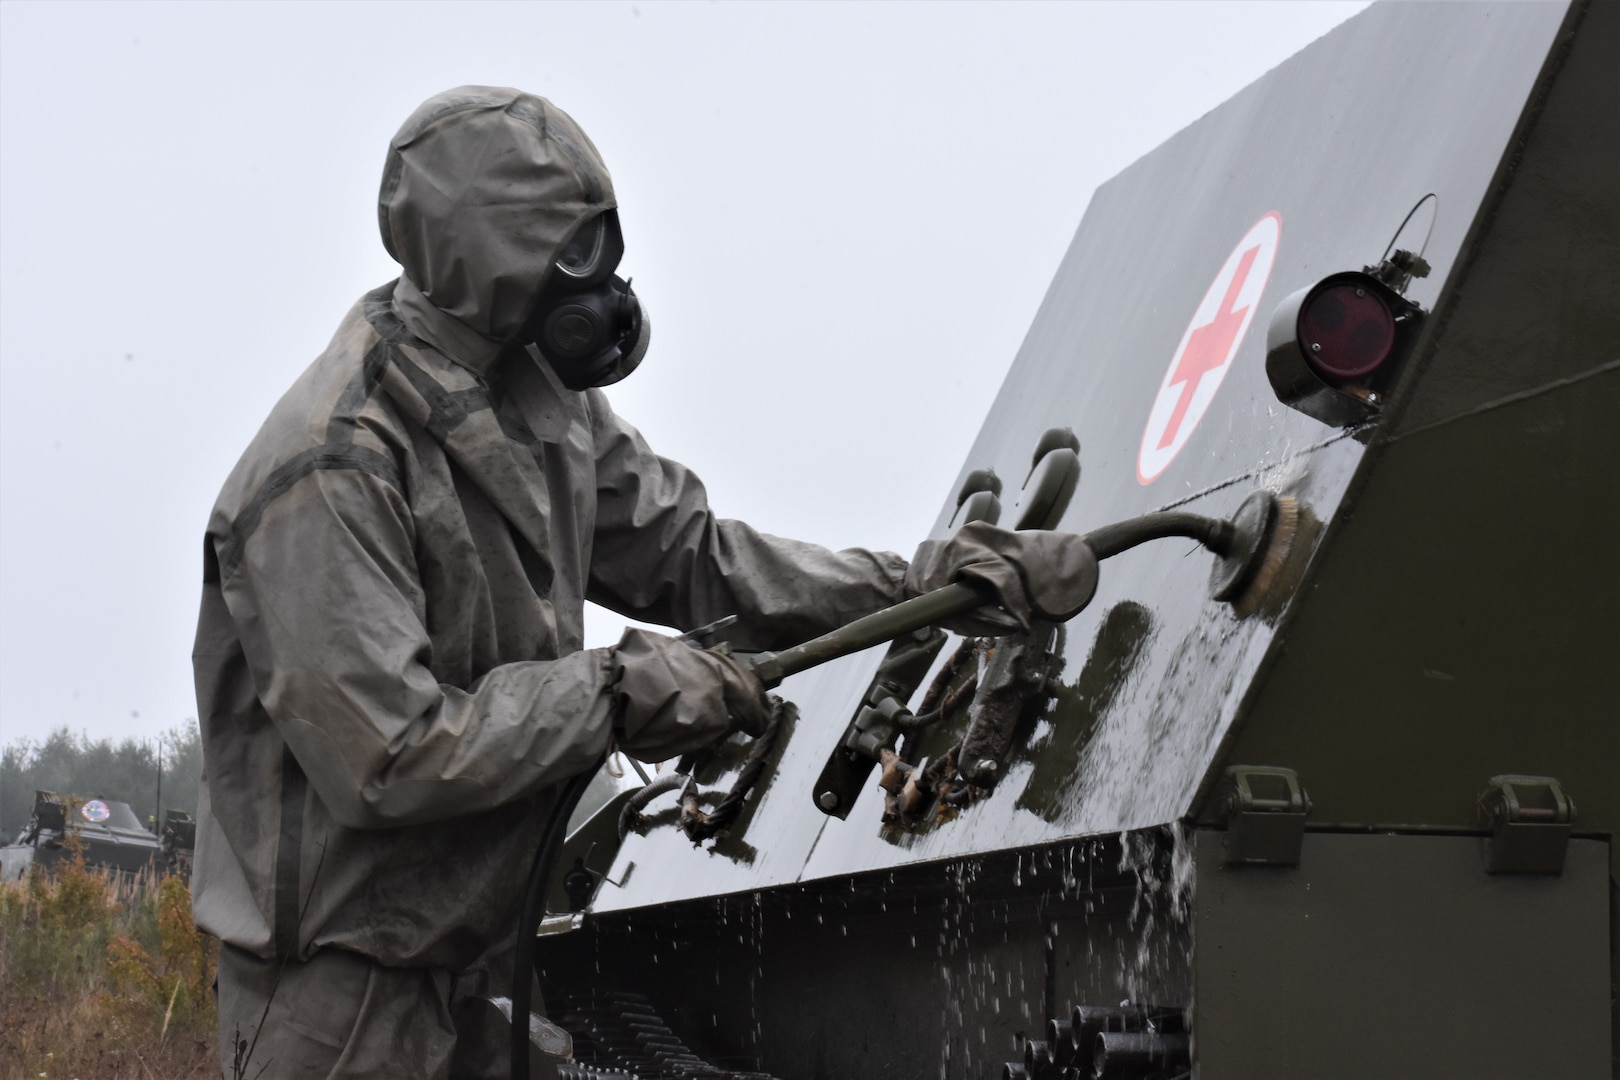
(1529, 818)
(1265, 812)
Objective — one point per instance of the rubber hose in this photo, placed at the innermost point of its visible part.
(1110, 540)
(534, 905)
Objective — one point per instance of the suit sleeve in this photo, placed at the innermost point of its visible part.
(659, 554)
(326, 599)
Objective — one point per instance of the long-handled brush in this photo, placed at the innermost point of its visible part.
(1250, 549)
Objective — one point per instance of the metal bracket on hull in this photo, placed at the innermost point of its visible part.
(1529, 818)
(1265, 816)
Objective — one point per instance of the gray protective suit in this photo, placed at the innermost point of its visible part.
(390, 678)
(388, 658)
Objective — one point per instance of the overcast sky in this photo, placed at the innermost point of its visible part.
(841, 217)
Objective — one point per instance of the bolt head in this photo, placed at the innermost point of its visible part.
(827, 800)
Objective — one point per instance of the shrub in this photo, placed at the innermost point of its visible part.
(103, 975)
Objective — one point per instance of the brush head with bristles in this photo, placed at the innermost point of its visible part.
(1259, 537)
(1278, 544)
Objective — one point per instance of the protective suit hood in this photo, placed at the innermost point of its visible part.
(482, 189)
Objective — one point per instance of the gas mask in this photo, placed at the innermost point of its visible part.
(587, 322)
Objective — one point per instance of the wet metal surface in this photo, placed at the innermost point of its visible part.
(922, 971)
(1339, 142)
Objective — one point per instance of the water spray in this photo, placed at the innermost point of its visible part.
(1250, 549)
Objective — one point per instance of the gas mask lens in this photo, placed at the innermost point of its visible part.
(591, 254)
(584, 252)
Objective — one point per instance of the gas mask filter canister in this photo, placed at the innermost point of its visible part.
(588, 322)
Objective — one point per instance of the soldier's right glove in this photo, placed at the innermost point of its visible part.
(671, 699)
(1031, 574)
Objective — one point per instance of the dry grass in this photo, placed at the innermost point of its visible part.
(104, 977)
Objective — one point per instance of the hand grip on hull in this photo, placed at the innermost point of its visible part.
(1249, 549)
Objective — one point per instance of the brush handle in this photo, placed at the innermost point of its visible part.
(959, 598)
(904, 618)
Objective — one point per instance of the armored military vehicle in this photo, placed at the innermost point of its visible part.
(1325, 781)
(105, 832)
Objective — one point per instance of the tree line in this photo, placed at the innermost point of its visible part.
(77, 765)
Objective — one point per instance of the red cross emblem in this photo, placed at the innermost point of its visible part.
(1211, 341)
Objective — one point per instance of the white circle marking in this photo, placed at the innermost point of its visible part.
(1211, 340)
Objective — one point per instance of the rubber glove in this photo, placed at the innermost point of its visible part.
(1032, 574)
(671, 699)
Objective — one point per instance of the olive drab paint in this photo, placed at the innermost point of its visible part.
(1213, 337)
(1365, 830)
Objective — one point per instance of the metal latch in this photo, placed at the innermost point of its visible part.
(877, 720)
(875, 727)
(1529, 818)
(1265, 812)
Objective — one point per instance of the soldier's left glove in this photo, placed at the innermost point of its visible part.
(1032, 574)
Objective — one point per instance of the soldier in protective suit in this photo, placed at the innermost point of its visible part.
(390, 674)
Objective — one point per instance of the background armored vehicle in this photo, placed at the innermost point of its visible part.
(107, 833)
(1348, 811)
